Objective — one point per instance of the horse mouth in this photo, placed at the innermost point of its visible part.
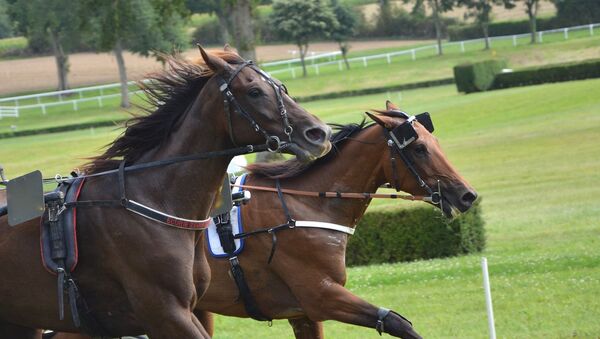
(310, 154)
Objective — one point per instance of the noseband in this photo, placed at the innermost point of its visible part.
(398, 139)
(229, 102)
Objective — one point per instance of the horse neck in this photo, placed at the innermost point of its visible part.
(358, 167)
(187, 189)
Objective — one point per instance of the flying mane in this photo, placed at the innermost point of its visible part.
(168, 94)
(293, 167)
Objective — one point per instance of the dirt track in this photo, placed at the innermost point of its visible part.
(39, 74)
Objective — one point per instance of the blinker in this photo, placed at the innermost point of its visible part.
(404, 134)
(425, 120)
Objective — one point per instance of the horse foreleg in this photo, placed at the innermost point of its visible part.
(207, 321)
(305, 328)
(10, 331)
(334, 302)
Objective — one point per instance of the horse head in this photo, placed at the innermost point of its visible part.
(251, 94)
(415, 162)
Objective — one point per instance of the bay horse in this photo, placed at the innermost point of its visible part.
(138, 275)
(304, 282)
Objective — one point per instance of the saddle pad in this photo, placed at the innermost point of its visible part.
(214, 243)
(68, 221)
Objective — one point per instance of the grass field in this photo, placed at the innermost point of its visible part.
(533, 154)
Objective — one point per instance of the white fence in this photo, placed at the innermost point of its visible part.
(414, 51)
(11, 107)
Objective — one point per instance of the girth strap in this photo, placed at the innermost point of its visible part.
(245, 293)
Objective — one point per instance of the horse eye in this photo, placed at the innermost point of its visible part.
(254, 92)
(421, 151)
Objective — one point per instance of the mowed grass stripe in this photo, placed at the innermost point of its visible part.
(533, 155)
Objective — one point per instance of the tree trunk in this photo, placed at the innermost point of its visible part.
(344, 50)
(438, 25)
(224, 25)
(62, 61)
(486, 34)
(243, 28)
(532, 12)
(303, 48)
(118, 50)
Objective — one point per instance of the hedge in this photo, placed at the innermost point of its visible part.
(479, 76)
(547, 74)
(458, 33)
(396, 234)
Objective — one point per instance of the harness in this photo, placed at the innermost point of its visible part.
(56, 205)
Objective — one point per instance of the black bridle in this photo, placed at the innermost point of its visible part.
(398, 139)
(229, 101)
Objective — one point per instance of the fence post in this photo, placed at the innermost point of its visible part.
(340, 65)
(488, 298)
(388, 59)
(293, 73)
(514, 40)
(80, 94)
(317, 69)
(414, 55)
(39, 101)
(591, 29)
(541, 36)
(462, 46)
(489, 41)
(365, 61)
(75, 108)
(43, 109)
(99, 101)
(566, 31)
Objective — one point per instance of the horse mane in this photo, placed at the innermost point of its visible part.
(168, 95)
(293, 167)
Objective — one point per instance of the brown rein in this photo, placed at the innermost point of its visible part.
(346, 195)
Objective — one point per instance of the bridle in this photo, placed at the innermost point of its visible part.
(398, 139)
(273, 142)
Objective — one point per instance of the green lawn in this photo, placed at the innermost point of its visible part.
(532, 153)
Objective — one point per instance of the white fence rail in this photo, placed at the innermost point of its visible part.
(11, 107)
(364, 60)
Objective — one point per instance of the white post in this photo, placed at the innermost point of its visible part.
(17, 102)
(514, 40)
(43, 109)
(488, 298)
(99, 101)
(566, 31)
(80, 94)
(541, 35)
(75, 105)
(365, 61)
(437, 49)
(39, 100)
(340, 65)
(414, 55)
(591, 29)
(462, 46)
(293, 73)
(389, 60)
(317, 69)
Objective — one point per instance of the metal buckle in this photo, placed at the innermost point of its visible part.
(273, 139)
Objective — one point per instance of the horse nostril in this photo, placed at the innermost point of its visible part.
(469, 197)
(315, 135)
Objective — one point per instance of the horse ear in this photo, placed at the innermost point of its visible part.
(228, 48)
(215, 63)
(390, 106)
(380, 120)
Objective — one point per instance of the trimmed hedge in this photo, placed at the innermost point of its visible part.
(462, 32)
(547, 74)
(477, 77)
(394, 235)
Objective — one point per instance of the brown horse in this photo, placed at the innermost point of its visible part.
(304, 283)
(135, 274)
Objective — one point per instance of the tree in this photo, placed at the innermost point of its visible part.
(438, 7)
(146, 27)
(347, 22)
(215, 7)
(531, 8)
(241, 14)
(5, 22)
(481, 10)
(300, 21)
(55, 22)
(578, 11)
